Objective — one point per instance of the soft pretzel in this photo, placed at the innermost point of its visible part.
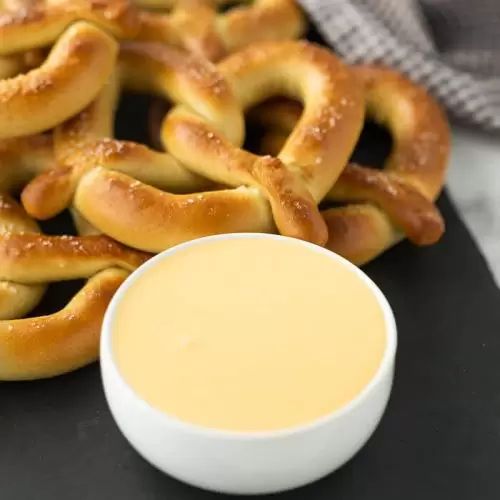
(261, 20)
(45, 346)
(42, 22)
(50, 345)
(63, 341)
(382, 205)
(168, 218)
(76, 69)
(192, 24)
(212, 34)
(11, 66)
(84, 142)
(151, 219)
(17, 299)
(316, 150)
(23, 158)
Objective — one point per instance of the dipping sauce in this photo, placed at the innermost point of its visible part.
(248, 334)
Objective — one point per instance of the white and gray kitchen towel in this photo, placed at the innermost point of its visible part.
(452, 47)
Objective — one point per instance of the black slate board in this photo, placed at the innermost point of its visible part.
(439, 439)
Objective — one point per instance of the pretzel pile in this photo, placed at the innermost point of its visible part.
(64, 65)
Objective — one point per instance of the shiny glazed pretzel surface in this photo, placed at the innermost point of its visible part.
(205, 133)
(49, 345)
(381, 206)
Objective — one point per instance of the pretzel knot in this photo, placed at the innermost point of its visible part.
(45, 346)
(380, 206)
(105, 179)
(199, 26)
(193, 24)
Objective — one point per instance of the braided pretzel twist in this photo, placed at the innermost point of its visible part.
(207, 128)
(76, 69)
(49, 345)
(382, 204)
(83, 143)
(192, 24)
(316, 150)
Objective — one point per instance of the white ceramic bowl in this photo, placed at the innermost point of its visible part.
(246, 463)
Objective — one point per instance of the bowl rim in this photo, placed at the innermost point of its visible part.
(384, 369)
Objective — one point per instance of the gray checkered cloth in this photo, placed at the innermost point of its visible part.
(452, 47)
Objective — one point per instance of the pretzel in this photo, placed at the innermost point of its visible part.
(41, 22)
(76, 69)
(316, 150)
(49, 345)
(192, 24)
(382, 204)
(83, 143)
(214, 34)
(209, 124)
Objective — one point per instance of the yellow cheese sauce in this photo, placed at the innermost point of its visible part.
(248, 334)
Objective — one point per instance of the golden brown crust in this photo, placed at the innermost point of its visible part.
(182, 78)
(41, 23)
(152, 220)
(22, 158)
(52, 191)
(39, 258)
(264, 20)
(61, 342)
(70, 78)
(309, 162)
(194, 25)
(197, 26)
(418, 125)
(49, 345)
(205, 132)
(413, 174)
(80, 145)
(360, 232)
(17, 299)
(323, 138)
(398, 199)
(408, 209)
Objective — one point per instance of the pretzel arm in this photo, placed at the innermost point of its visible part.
(63, 257)
(409, 210)
(153, 220)
(70, 78)
(51, 345)
(40, 24)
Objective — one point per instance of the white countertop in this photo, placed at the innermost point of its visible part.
(474, 185)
